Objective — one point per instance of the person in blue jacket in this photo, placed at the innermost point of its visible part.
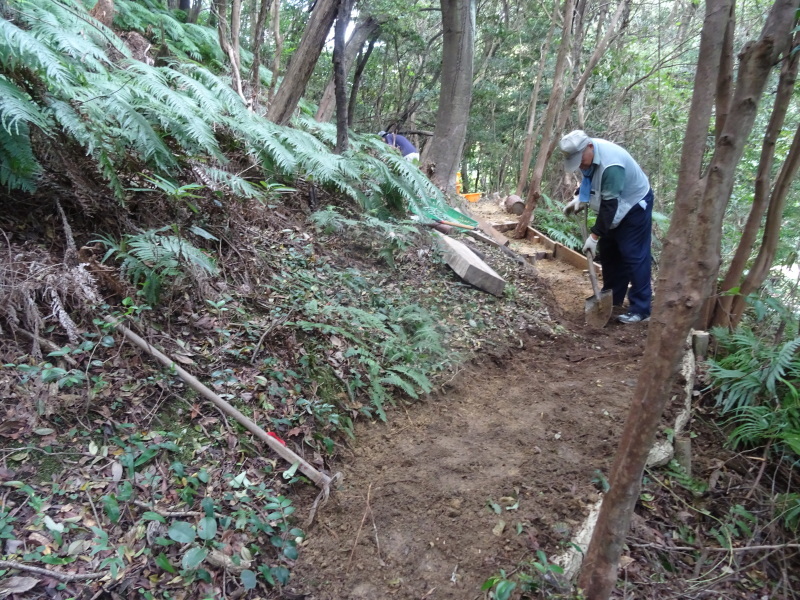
(400, 142)
(615, 187)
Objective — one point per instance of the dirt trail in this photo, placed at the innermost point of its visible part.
(497, 464)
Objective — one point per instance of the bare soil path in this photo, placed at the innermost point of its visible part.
(496, 464)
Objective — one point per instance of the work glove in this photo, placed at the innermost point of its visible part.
(574, 206)
(590, 246)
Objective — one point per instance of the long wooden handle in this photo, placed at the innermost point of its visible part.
(318, 478)
(593, 275)
(454, 224)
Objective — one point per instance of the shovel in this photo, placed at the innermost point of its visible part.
(599, 306)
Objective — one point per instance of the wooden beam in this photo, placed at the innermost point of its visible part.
(469, 267)
(489, 229)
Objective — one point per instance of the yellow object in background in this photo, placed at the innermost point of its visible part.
(458, 182)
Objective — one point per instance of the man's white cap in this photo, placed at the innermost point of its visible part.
(572, 145)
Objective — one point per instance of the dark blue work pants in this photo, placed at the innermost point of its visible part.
(624, 254)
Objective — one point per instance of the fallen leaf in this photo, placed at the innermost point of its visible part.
(183, 359)
(116, 471)
(499, 528)
(17, 585)
(39, 538)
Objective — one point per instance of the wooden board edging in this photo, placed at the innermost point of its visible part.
(560, 251)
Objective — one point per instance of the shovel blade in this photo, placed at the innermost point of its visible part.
(598, 310)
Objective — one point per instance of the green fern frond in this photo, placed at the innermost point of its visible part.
(416, 376)
(392, 378)
(18, 48)
(779, 364)
(754, 425)
(16, 108)
(18, 166)
(239, 186)
(379, 397)
(153, 260)
(61, 29)
(329, 220)
(264, 143)
(205, 100)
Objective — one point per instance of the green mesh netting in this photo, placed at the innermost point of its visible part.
(435, 209)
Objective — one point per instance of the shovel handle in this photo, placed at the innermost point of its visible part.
(593, 275)
(454, 224)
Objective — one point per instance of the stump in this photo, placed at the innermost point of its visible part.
(515, 204)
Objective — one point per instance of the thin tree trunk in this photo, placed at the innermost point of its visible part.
(725, 77)
(258, 41)
(276, 59)
(221, 10)
(530, 134)
(761, 197)
(236, 28)
(303, 62)
(549, 140)
(556, 96)
(361, 63)
(690, 261)
(362, 32)
(340, 74)
(769, 244)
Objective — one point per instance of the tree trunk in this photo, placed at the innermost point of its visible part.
(361, 63)
(236, 29)
(553, 104)
(549, 140)
(362, 32)
(303, 62)
(761, 197)
(690, 261)
(221, 11)
(258, 40)
(194, 13)
(276, 59)
(766, 254)
(530, 134)
(443, 154)
(340, 74)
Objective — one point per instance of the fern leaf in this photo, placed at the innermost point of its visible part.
(394, 379)
(20, 48)
(16, 107)
(779, 363)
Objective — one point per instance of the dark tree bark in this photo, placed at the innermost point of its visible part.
(553, 104)
(722, 315)
(340, 74)
(443, 154)
(258, 40)
(361, 63)
(772, 229)
(362, 32)
(303, 62)
(690, 262)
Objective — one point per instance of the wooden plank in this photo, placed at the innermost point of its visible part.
(489, 229)
(559, 251)
(469, 267)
